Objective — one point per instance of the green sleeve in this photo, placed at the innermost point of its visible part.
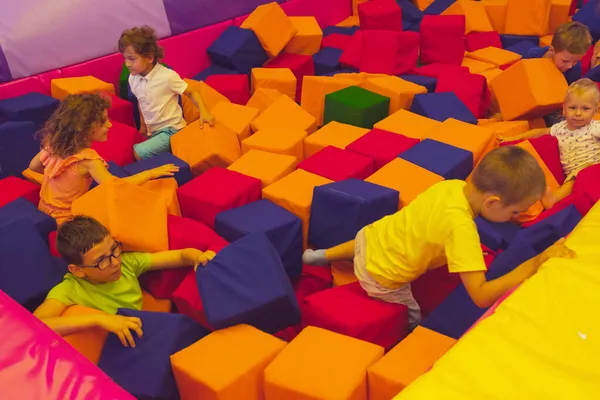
(137, 262)
(62, 292)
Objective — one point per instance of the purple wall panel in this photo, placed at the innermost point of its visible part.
(5, 75)
(186, 15)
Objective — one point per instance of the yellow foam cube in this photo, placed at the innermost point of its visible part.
(262, 98)
(334, 134)
(236, 117)
(281, 79)
(272, 27)
(307, 40)
(288, 141)
(408, 124)
(477, 19)
(266, 166)
(285, 113)
(314, 90)
(400, 92)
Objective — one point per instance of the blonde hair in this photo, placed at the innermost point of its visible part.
(583, 86)
(573, 37)
(511, 173)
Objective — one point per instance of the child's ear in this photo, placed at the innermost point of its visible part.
(77, 271)
(491, 201)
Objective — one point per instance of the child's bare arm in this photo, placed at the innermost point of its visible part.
(484, 293)
(180, 258)
(50, 313)
(205, 115)
(36, 164)
(100, 173)
(532, 134)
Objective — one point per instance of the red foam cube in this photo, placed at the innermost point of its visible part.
(586, 183)
(432, 288)
(471, 89)
(442, 39)
(481, 40)
(188, 302)
(336, 40)
(217, 190)
(582, 203)
(11, 188)
(183, 233)
(52, 243)
(121, 111)
(436, 70)
(380, 14)
(338, 164)
(389, 52)
(351, 57)
(371, 320)
(119, 145)
(300, 65)
(381, 146)
(235, 87)
(547, 148)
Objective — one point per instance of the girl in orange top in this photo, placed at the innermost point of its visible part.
(66, 159)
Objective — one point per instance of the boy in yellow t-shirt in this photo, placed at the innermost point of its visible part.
(438, 228)
(102, 276)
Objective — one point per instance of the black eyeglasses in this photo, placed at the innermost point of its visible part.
(105, 262)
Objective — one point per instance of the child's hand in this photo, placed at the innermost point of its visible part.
(165, 170)
(208, 118)
(122, 327)
(197, 257)
(557, 250)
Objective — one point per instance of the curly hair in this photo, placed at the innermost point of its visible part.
(143, 40)
(70, 127)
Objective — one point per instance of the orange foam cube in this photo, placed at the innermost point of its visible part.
(232, 367)
(151, 303)
(281, 79)
(411, 358)
(475, 66)
(505, 128)
(529, 89)
(320, 364)
(405, 177)
(62, 87)
(210, 97)
(167, 189)
(129, 212)
(349, 22)
(334, 134)
(537, 123)
(33, 176)
(491, 74)
(537, 208)
(89, 342)
(530, 17)
(423, 4)
(272, 27)
(355, 4)
(294, 193)
(285, 113)
(477, 19)
(236, 118)
(496, 11)
(266, 166)
(546, 40)
(408, 124)
(343, 273)
(262, 98)
(307, 40)
(495, 56)
(279, 141)
(400, 92)
(559, 14)
(479, 140)
(314, 90)
(205, 148)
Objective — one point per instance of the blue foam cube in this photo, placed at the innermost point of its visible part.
(327, 60)
(342, 30)
(511, 40)
(524, 48)
(496, 235)
(427, 82)
(27, 269)
(247, 284)
(214, 70)
(33, 106)
(145, 370)
(340, 209)
(21, 208)
(115, 170)
(457, 313)
(237, 49)
(441, 106)
(440, 158)
(594, 74)
(183, 176)
(411, 14)
(589, 15)
(438, 7)
(283, 229)
(18, 145)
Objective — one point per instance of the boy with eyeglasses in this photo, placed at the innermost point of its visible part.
(103, 277)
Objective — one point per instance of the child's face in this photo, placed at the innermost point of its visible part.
(136, 63)
(565, 60)
(101, 130)
(579, 109)
(495, 210)
(101, 264)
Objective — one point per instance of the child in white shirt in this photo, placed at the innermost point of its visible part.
(157, 89)
(578, 135)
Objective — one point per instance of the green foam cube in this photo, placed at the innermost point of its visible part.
(356, 106)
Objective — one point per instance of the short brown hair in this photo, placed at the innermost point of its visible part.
(511, 173)
(573, 37)
(77, 236)
(69, 129)
(584, 85)
(143, 41)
